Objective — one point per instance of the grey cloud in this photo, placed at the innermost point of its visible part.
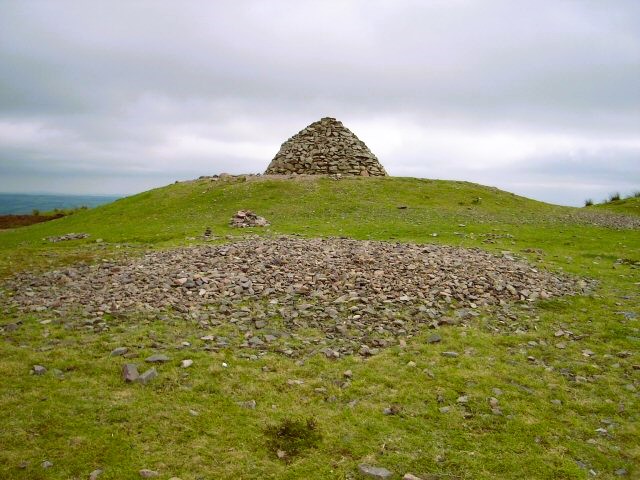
(165, 89)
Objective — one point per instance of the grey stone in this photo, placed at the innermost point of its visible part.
(410, 476)
(116, 352)
(435, 338)
(130, 372)
(157, 358)
(146, 473)
(250, 404)
(186, 363)
(95, 474)
(39, 370)
(46, 464)
(450, 354)
(147, 376)
(374, 472)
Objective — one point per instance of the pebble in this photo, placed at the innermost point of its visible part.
(410, 476)
(95, 474)
(46, 464)
(147, 376)
(186, 363)
(374, 472)
(444, 409)
(146, 473)
(347, 374)
(435, 338)
(130, 372)
(450, 354)
(392, 410)
(250, 404)
(39, 370)
(411, 364)
(157, 358)
(463, 399)
(116, 352)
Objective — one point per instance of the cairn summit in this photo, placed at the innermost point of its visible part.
(325, 147)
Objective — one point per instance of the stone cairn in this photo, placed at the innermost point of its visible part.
(325, 147)
(246, 218)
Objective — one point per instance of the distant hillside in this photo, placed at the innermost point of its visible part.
(18, 203)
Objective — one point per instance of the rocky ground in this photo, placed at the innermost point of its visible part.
(336, 295)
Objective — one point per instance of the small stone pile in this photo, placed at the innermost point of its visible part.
(67, 237)
(325, 147)
(246, 218)
(359, 295)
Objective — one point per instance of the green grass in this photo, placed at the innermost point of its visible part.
(82, 416)
(627, 206)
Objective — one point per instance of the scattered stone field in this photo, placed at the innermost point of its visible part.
(359, 295)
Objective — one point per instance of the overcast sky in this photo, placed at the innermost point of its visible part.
(538, 97)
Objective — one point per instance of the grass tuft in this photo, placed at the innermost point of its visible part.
(291, 437)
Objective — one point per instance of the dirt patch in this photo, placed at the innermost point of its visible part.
(15, 221)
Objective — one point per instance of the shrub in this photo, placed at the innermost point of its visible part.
(35, 212)
(292, 436)
(614, 197)
(588, 202)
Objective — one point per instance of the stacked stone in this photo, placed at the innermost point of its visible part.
(325, 147)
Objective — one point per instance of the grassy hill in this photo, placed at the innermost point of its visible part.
(627, 206)
(564, 371)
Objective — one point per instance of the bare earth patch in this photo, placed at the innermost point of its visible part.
(360, 295)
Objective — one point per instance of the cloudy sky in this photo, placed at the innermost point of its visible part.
(538, 97)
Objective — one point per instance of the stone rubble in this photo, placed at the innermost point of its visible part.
(359, 296)
(246, 218)
(67, 237)
(325, 147)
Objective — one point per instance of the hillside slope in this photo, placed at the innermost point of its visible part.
(536, 389)
(627, 206)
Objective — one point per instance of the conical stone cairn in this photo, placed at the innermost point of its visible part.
(325, 147)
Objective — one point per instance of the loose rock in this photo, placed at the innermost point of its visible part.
(95, 474)
(157, 358)
(116, 352)
(146, 473)
(130, 372)
(374, 472)
(147, 376)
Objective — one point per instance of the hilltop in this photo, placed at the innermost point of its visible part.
(476, 334)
